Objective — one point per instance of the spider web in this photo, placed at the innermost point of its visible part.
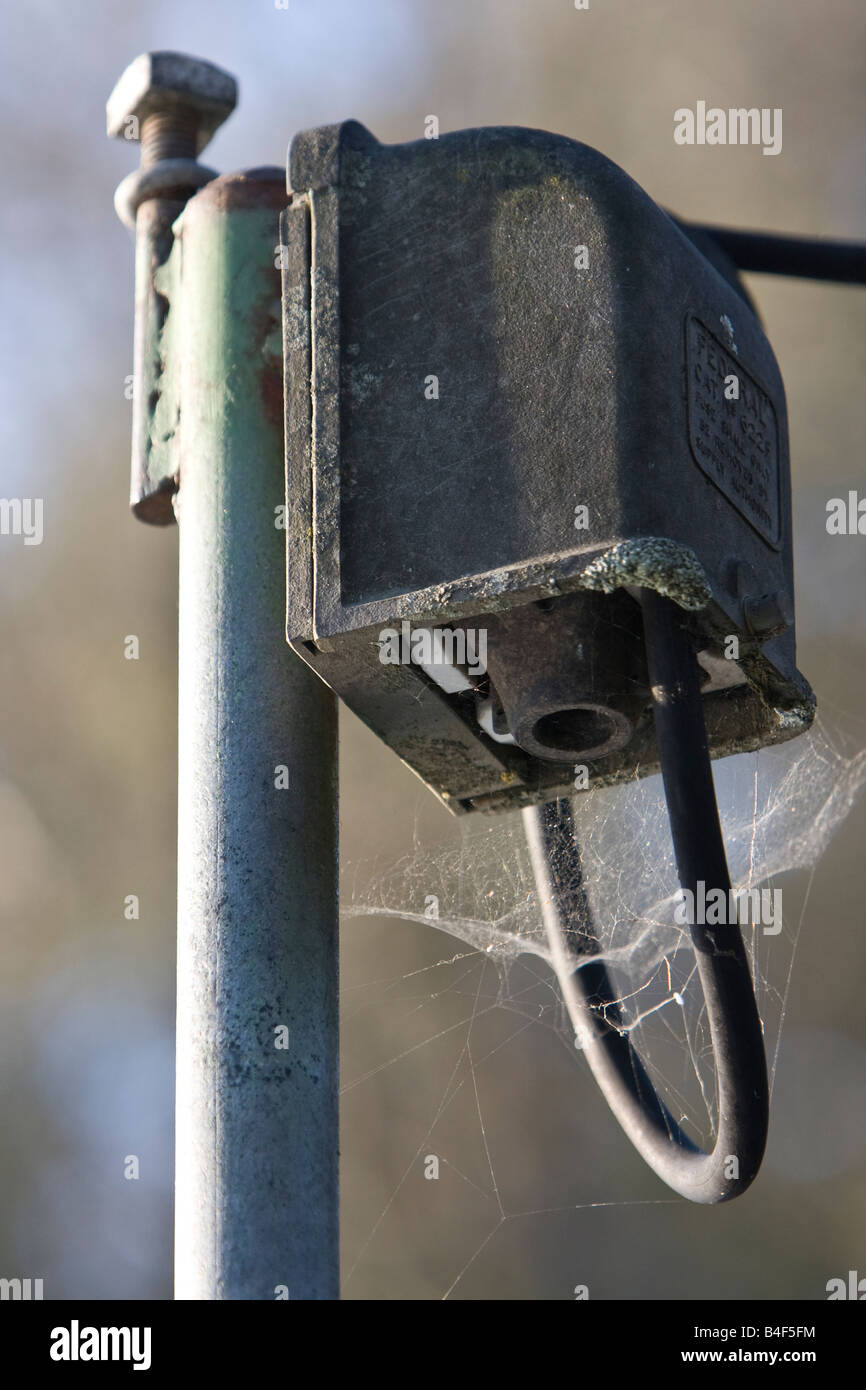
(779, 809)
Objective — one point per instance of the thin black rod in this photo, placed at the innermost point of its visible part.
(722, 964)
(812, 258)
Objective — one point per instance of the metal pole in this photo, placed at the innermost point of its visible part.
(257, 1042)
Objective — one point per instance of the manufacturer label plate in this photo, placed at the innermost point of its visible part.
(735, 442)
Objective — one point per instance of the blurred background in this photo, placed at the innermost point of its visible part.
(87, 738)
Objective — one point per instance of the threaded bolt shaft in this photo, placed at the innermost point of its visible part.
(169, 134)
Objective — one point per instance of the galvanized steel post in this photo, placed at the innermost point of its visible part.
(257, 1052)
(257, 1037)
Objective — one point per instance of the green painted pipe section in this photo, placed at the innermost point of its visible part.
(257, 1034)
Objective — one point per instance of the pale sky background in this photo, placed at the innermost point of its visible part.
(87, 740)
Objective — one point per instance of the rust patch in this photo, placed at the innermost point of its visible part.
(271, 378)
(254, 188)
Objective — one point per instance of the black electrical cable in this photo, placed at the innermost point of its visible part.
(722, 965)
(811, 258)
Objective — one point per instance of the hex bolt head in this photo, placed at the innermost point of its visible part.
(171, 103)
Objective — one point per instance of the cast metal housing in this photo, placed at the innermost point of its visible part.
(509, 382)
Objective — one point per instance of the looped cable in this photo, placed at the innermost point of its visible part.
(722, 964)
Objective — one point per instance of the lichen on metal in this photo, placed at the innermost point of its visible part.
(651, 562)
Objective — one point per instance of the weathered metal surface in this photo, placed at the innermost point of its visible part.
(171, 104)
(181, 96)
(257, 1128)
(579, 342)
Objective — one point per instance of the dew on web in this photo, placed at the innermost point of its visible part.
(779, 808)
